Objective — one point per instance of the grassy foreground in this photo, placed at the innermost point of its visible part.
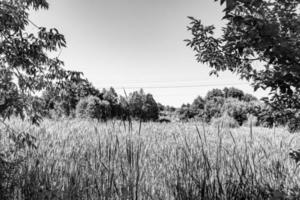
(177, 161)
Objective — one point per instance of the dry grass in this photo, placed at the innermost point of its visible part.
(177, 161)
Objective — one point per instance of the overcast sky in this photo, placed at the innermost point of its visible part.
(138, 43)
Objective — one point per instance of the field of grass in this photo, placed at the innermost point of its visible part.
(177, 161)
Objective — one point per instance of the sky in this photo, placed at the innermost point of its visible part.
(132, 44)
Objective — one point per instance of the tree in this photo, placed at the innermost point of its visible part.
(150, 108)
(124, 109)
(136, 102)
(64, 99)
(186, 112)
(93, 108)
(214, 93)
(25, 64)
(249, 97)
(143, 106)
(236, 109)
(112, 97)
(213, 108)
(198, 103)
(233, 92)
(161, 107)
(25, 68)
(265, 32)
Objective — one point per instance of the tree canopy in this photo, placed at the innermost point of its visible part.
(260, 42)
(25, 64)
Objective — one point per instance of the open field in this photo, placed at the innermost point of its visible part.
(89, 160)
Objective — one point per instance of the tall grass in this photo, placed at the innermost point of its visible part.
(177, 161)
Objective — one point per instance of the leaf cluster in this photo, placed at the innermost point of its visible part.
(260, 43)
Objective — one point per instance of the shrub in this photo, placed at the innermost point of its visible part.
(164, 120)
(213, 108)
(62, 108)
(143, 106)
(93, 108)
(233, 93)
(293, 123)
(186, 113)
(249, 97)
(225, 121)
(214, 93)
(251, 120)
(105, 110)
(236, 109)
(81, 108)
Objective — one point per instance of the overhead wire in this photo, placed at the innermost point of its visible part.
(179, 86)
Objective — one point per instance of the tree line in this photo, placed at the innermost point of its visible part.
(234, 106)
(81, 99)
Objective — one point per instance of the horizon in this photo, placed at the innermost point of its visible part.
(136, 44)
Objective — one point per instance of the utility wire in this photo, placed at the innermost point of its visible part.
(180, 86)
(158, 81)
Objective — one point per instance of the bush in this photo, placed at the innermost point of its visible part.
(93, 108)
(81, 108)
(251, 120)
(236, 109)
(233, 92)
(293, 123)
(214, 93)
(225, 121)
(186, 113)
(213, 108)
(105, 110)
(143, 106)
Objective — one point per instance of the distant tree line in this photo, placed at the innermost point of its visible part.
(81, 99)
(216, 103)
(232, 104)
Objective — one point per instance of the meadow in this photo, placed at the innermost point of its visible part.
(77, 159)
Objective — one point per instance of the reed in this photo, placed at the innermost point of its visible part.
(78, 159)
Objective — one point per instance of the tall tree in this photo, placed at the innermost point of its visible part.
(25, 68)
(233, 92)
(25, 64)
(198, 103)
(265, 32)
(214, 93)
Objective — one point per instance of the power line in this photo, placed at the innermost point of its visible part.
(157, 81)
(180, 86)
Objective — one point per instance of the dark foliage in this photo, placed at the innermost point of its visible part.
(256, 31)
(214, 93)
(233, 93)
(143, 106)
(93, 108)
(63, 99)
(236, 109)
